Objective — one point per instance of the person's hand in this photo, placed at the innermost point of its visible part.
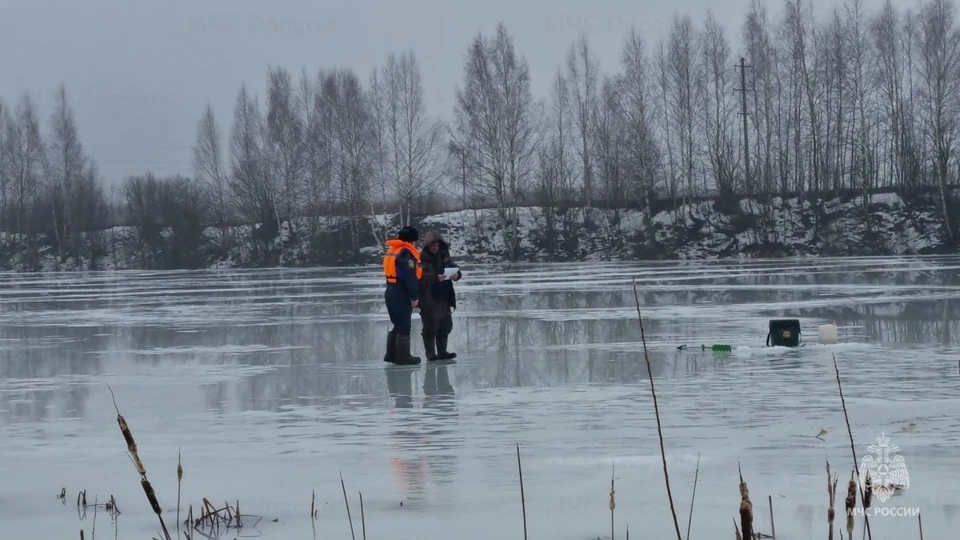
(441, 277)
(416, 303)
(456, 277)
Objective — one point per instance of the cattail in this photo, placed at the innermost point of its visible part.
(832, 494)
(868, 493)
(613, 500)
(179, 480)
(851, 504)
(151, 496)
(613, 505)
(134, 456)
(746, 510)
(131, 444)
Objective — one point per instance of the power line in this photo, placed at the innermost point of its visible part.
(743, 112)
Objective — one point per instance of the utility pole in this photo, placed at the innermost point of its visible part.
(743, 111)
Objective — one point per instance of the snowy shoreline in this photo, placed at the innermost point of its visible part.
(888, 225)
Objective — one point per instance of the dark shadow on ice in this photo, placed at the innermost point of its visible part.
(441, 438)
(400, 386)
(424, 442)
(437, 387)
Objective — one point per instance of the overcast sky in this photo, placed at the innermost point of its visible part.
(138, 73)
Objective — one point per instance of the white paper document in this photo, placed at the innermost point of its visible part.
(450, 272)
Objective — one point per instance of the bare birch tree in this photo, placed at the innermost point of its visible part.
(6, 121)
(609, 146)
(284, 142)
(719, 109)
(496, 114)
(863, 145)
(412, 142)
(667, 123)
(636, 106)
(26, 160)
(583, 76)
(892, 77)
(940, 72)
(762, 56)
(66, 162)
(344, 106)
(681, 79)
(249, 180)
(556, 187)
(210, 170)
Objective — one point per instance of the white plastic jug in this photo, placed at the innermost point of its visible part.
(827, 334)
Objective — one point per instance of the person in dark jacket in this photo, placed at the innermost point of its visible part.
(402, 270)
(437, 296)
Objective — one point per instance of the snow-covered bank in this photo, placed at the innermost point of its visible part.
(784, 227)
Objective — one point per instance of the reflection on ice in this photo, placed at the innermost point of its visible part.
(271, 383)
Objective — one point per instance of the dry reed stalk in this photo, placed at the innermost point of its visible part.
(179, 479)
(523, 500)
(853, 450)
(363, 519)
(656, 410)
(209, 511)
(746, 509)
(773, 528)
(737, 529)
(347, 502)
(832, 494)
(920, 523)
(81, 534)
(239, 516)
(613, 502)
(313, 502)
(867, 498)
(693, 497)
(135, 457)
(851, 503)
(93, 530)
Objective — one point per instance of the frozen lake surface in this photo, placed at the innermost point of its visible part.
(271, 383)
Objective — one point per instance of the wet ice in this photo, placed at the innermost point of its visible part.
(270, 383)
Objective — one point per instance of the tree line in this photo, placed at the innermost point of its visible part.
(841, 103)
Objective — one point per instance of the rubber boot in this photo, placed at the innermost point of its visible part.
(442, 352)
(403, 356)
(390, 355)
(430, 346)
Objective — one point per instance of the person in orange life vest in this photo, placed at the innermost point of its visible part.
(402, 269)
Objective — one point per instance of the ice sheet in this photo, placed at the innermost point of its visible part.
(270, 383)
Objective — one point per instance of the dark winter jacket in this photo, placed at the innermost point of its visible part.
(433, 292)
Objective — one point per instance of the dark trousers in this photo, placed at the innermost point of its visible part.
(400, 308)
(437, 319)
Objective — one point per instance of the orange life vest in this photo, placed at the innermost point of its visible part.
(390, 260)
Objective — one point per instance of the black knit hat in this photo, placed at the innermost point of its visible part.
(409, 234)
